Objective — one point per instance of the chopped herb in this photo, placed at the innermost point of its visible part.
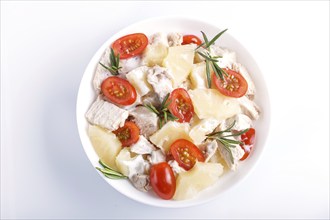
(211, 60)
(114, 63)
(163, 113)
(109, 172)
(227, 143)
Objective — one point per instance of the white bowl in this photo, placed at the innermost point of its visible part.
(86, 95)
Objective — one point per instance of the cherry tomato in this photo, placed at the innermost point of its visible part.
(248, 139)
(162, 180)
(188, 39)
(128, 134)
(118, 90)
(186, 153)
(130, 45)
(233, 85)
(181, 105)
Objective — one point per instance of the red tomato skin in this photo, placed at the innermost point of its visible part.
(188, 39)
(248, 138)
(193, 152)
(162, 180)
(113, 83)
(243, 86)
(179, 97)
(132, 133)
(130, 45)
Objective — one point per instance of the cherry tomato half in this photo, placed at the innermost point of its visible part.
(248, 139)
(233, 85)
(186, 153)
(181, 105)
(130, 45)
(188, 39)
(128, 134)
(162, 180)
(118, 90)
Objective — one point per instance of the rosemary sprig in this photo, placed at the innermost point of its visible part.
(109, 172)
(114, 63)
(163, 113)
(221, 136)
(211, 60)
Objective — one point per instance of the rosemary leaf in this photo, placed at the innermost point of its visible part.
(237, 134)
(206, 41)
(165, 116)
(112, 57)
(230, 141)
(208, 73)
(104, 165)
(165, 99)
(207, 57)
(114, 63)
(104, 66)
(201, 45)
(114, 177)
(230, 126)
(208, 44)
(151, 108)
(217, 70)
(163, 113)
(109, 171)
(171, 117)
(229, 151)
(212, 60)
(160, 123)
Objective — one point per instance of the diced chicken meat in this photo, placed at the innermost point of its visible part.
(175, 167)
(160, 80)
(138, 165)
(141, 182)
(138, 172)
(209, 149)
(243, 71)
(101, 73)
(146, 120)
(143, 146)
(158, 38)
(151, 98)
(99, 77)
(156, 156)
(231, 155)
(129, 64)
(106, 115)
(242, 122)
(174, 39)
(249, 107)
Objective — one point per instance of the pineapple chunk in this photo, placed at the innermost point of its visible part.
(106, 145)
(180, 61)
(216, 158)
(199, 131)
(138, 78)
(169, 133)
(198, 76)
(209, 103)
(124, 155)
(201, 176)
(156, 51)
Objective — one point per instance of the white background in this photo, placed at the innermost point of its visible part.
(45, 48)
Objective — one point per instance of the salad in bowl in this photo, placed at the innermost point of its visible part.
(173, 112)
